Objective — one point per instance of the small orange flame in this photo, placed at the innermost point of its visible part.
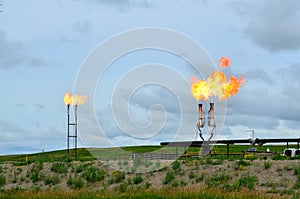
(74, 100)
(224, 62)
(215, 85)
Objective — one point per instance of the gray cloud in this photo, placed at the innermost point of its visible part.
(12, 54)
(38, 107)
(125, 3)
(83, 26)
(275, 25)
(275, 99)
(121, 5)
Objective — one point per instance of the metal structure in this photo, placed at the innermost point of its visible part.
(211, 121)
(250, 141)
(72, 135)
(211, 124)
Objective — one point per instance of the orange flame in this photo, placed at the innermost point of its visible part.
(215, 85)
(224, 62)
(74, 100)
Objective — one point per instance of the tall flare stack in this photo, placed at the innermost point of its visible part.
(73, 136)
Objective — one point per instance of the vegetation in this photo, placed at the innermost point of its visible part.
(59, 167)
(267, 164)
(169, 177)
(118, 193)
(53, 171)
(2, 180)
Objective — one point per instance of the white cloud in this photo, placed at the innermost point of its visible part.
(275, 25)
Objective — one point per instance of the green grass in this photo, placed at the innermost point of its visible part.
(177, 193)
(84, 154)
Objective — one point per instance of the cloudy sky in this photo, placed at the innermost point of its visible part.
(44, 43)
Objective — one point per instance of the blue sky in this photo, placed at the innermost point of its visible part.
(44, 43)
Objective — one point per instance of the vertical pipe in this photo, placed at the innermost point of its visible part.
(211, 121)
(68, 129)
(76, 107)
(200, 123)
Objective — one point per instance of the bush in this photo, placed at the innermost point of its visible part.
(239, 165)
(59, 167)
(75, 183)
(123, 187)
(176, 165)
(169, 177)
(199, 179)
(35, 172)
(217, 179)
(2, 180)
(245, 181)
(137, 179)
(53, 180)
(267, 165)
(192, 175)
(278, 157)
(93, 175)
(175, 183)
(250, 157)
(79, 168)
(297, 171)
(147, 185)
(117, 176)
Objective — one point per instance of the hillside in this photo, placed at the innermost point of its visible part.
(50, 173)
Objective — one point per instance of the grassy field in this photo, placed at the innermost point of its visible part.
(166, 193)
(107, 153)
(56, 175)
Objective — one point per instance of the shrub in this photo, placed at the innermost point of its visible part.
(59, 167)
(53, 180)
(217, 179)
(147, 185)
(199, 179)
(1, 169)
(192, 175)
(75, 183)
(79, 168)
(239, 165)
(297, 171)
(297, 185)
(35, 172)
(137, 179)
(288, 167)
(117, 176)
(93, 175)
(267, 164)
(175, 183)
(2, 180)
(250, 157)
(169, 177)
(278, 157)
(245, 181)
(176, 165)
(123, 187)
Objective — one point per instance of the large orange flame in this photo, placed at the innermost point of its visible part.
(216, 84)
(224, 62)
(75, 99)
